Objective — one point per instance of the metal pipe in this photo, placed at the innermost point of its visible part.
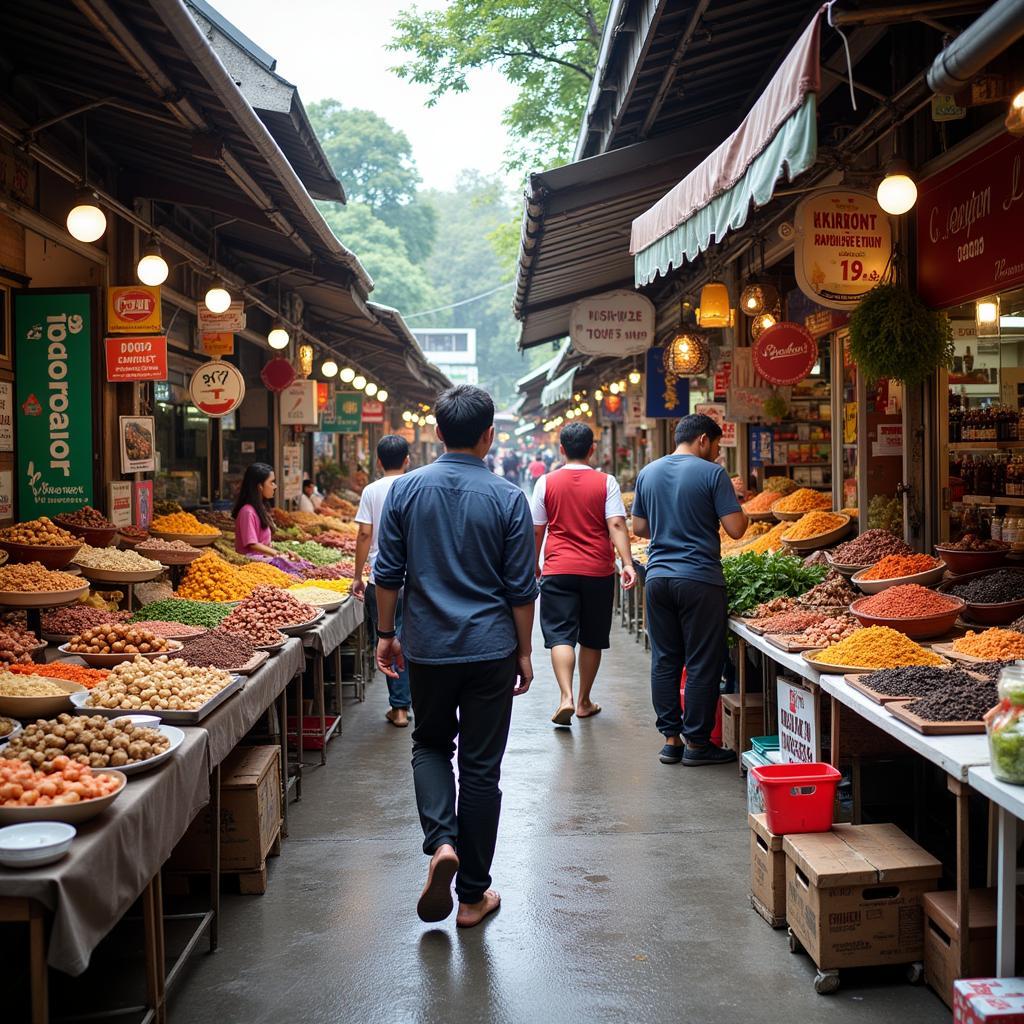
(179, 22)
(981, 42)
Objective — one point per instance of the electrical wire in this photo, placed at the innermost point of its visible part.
(463, 302)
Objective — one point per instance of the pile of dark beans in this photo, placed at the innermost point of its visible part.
(963, 702)
(916, 680)
(218, 650)
(996, 588)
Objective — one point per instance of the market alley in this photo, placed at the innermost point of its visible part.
(624, 882)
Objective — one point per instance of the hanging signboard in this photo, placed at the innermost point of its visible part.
(716, 411)
(221, 343)
(617, 323)
(132, 358)
(373, 411)
(797, 738)
(217, 388)
(746, 405)
(345, 416)
(612, 409)
(138, 445)
(133, 309)
(291, 469)
(278, 374)
(119, 502)
(17, 174)
(53, 363)
(6, 416)
(231, 320)
(664, 401)
(298, 403)
(842, 246)
(785, 353)
(970, 220)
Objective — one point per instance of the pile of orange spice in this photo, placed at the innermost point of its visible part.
(896, 566)
(761, 502)
(813, 524)
(876, 647)
(87, 677)
(803, 500)
(992, 645)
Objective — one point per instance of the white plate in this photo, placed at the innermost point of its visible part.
(296, 629)
(14, 732)
(33, 844)
(173, 733)
(73, 814)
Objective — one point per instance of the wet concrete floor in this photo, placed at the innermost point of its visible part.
(624, 885)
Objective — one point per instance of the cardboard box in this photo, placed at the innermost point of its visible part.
(250, 814)
(942, 939)
(853, 895)
(753, 720)
(988, 1000)
(767, 872)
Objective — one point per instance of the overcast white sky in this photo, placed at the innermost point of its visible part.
(337, 49)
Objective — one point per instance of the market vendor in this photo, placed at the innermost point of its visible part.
(253, 521)
(310, 499)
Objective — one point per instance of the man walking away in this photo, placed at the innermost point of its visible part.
(459, 539)
(582, 513)
(393, 459)
(679, 501)
(536, 469)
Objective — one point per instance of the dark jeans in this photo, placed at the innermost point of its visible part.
(473, 701)
(398, 689)
(686, 622)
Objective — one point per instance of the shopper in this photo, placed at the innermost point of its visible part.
(309, 500)
(581, 512)
(536, 469)
(679, 502)
(510, 467)
(460, 540)
(393, 459)
(253, 521)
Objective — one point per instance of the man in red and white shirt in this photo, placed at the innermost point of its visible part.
(581, 511)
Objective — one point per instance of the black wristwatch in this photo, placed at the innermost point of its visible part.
(386, 634)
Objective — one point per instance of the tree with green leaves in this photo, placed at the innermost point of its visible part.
(547, 48)
(374, 162)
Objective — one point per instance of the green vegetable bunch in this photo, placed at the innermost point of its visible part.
(751, 579)
(894, 335)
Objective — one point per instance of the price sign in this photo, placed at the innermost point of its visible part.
(217, 388)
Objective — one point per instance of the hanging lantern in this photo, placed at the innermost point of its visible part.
(714, 308)
(756, 298)
(686, 355)
(762, 323)
(305, 360)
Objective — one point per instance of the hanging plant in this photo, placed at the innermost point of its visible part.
(775, 407)
(894, 335)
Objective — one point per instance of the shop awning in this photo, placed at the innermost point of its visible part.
(778, 135)
(559, 390)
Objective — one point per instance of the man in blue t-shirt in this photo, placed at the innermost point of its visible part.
(679, 501)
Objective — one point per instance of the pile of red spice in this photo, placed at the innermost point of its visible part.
(908, 601)
(894, 566)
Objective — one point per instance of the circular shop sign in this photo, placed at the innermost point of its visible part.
(217, 388)
(785, 353)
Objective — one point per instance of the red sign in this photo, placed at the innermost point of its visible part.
(322, 391)
(970, 219)
(278, 374)
(373, 412)
(785, 353)
(133, 307)
(136, 358)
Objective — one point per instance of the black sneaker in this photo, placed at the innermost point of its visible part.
(671, 753)
(709, 754)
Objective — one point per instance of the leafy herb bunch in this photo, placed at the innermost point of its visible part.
(751, 579)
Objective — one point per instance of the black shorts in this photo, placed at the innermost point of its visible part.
(577, 609)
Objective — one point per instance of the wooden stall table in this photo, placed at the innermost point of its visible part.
(114, 859)
(1009, 800)
(321, 642)
(955, 755)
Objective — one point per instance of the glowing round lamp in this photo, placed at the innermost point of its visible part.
(347, 375)
(371, 389)
(217, 300)
(152, 269)
(897, 192)
(407, 416)
(359, 382)
(278, 336)
(86, 221)
(329, 368)
(686, 354)
(382, 395)
(634, 376)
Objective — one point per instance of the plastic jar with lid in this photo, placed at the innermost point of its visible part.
(1005, 726)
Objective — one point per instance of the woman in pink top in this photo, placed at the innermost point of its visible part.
(252, 513)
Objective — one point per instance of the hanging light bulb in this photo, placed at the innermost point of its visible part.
(407, 416)
(218, 298)
(571, 413)
(278, 336)
(756, 298)
(897, 191)
(152, 268)
(359, 382)
(585, 406)
(761, 323)
(986, 317)
(598, 395)
(306, 359)
(371, 389)
(382, 395)
(430, 418)
(347, 375)
(422, 421)
(86, 221)
(1015, 118)
(613, 388)
(623, 385)
(634, 376)
(686, 354)
(714, 308)
(329, 368)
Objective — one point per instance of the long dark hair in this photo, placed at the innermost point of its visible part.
(256, 474)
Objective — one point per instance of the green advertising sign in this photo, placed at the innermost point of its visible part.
(347, 415)
(53, 370)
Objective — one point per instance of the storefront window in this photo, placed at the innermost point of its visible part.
(183, 445)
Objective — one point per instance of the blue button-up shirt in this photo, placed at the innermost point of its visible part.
(460, 540)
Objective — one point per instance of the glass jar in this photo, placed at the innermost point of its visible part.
(997, 528)
(1005, 726)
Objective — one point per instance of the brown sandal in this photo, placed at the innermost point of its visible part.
(397, 725)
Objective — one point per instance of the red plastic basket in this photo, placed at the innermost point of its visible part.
(798, 797)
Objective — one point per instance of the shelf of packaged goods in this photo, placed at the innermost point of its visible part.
(986, 499)
(986, 446)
